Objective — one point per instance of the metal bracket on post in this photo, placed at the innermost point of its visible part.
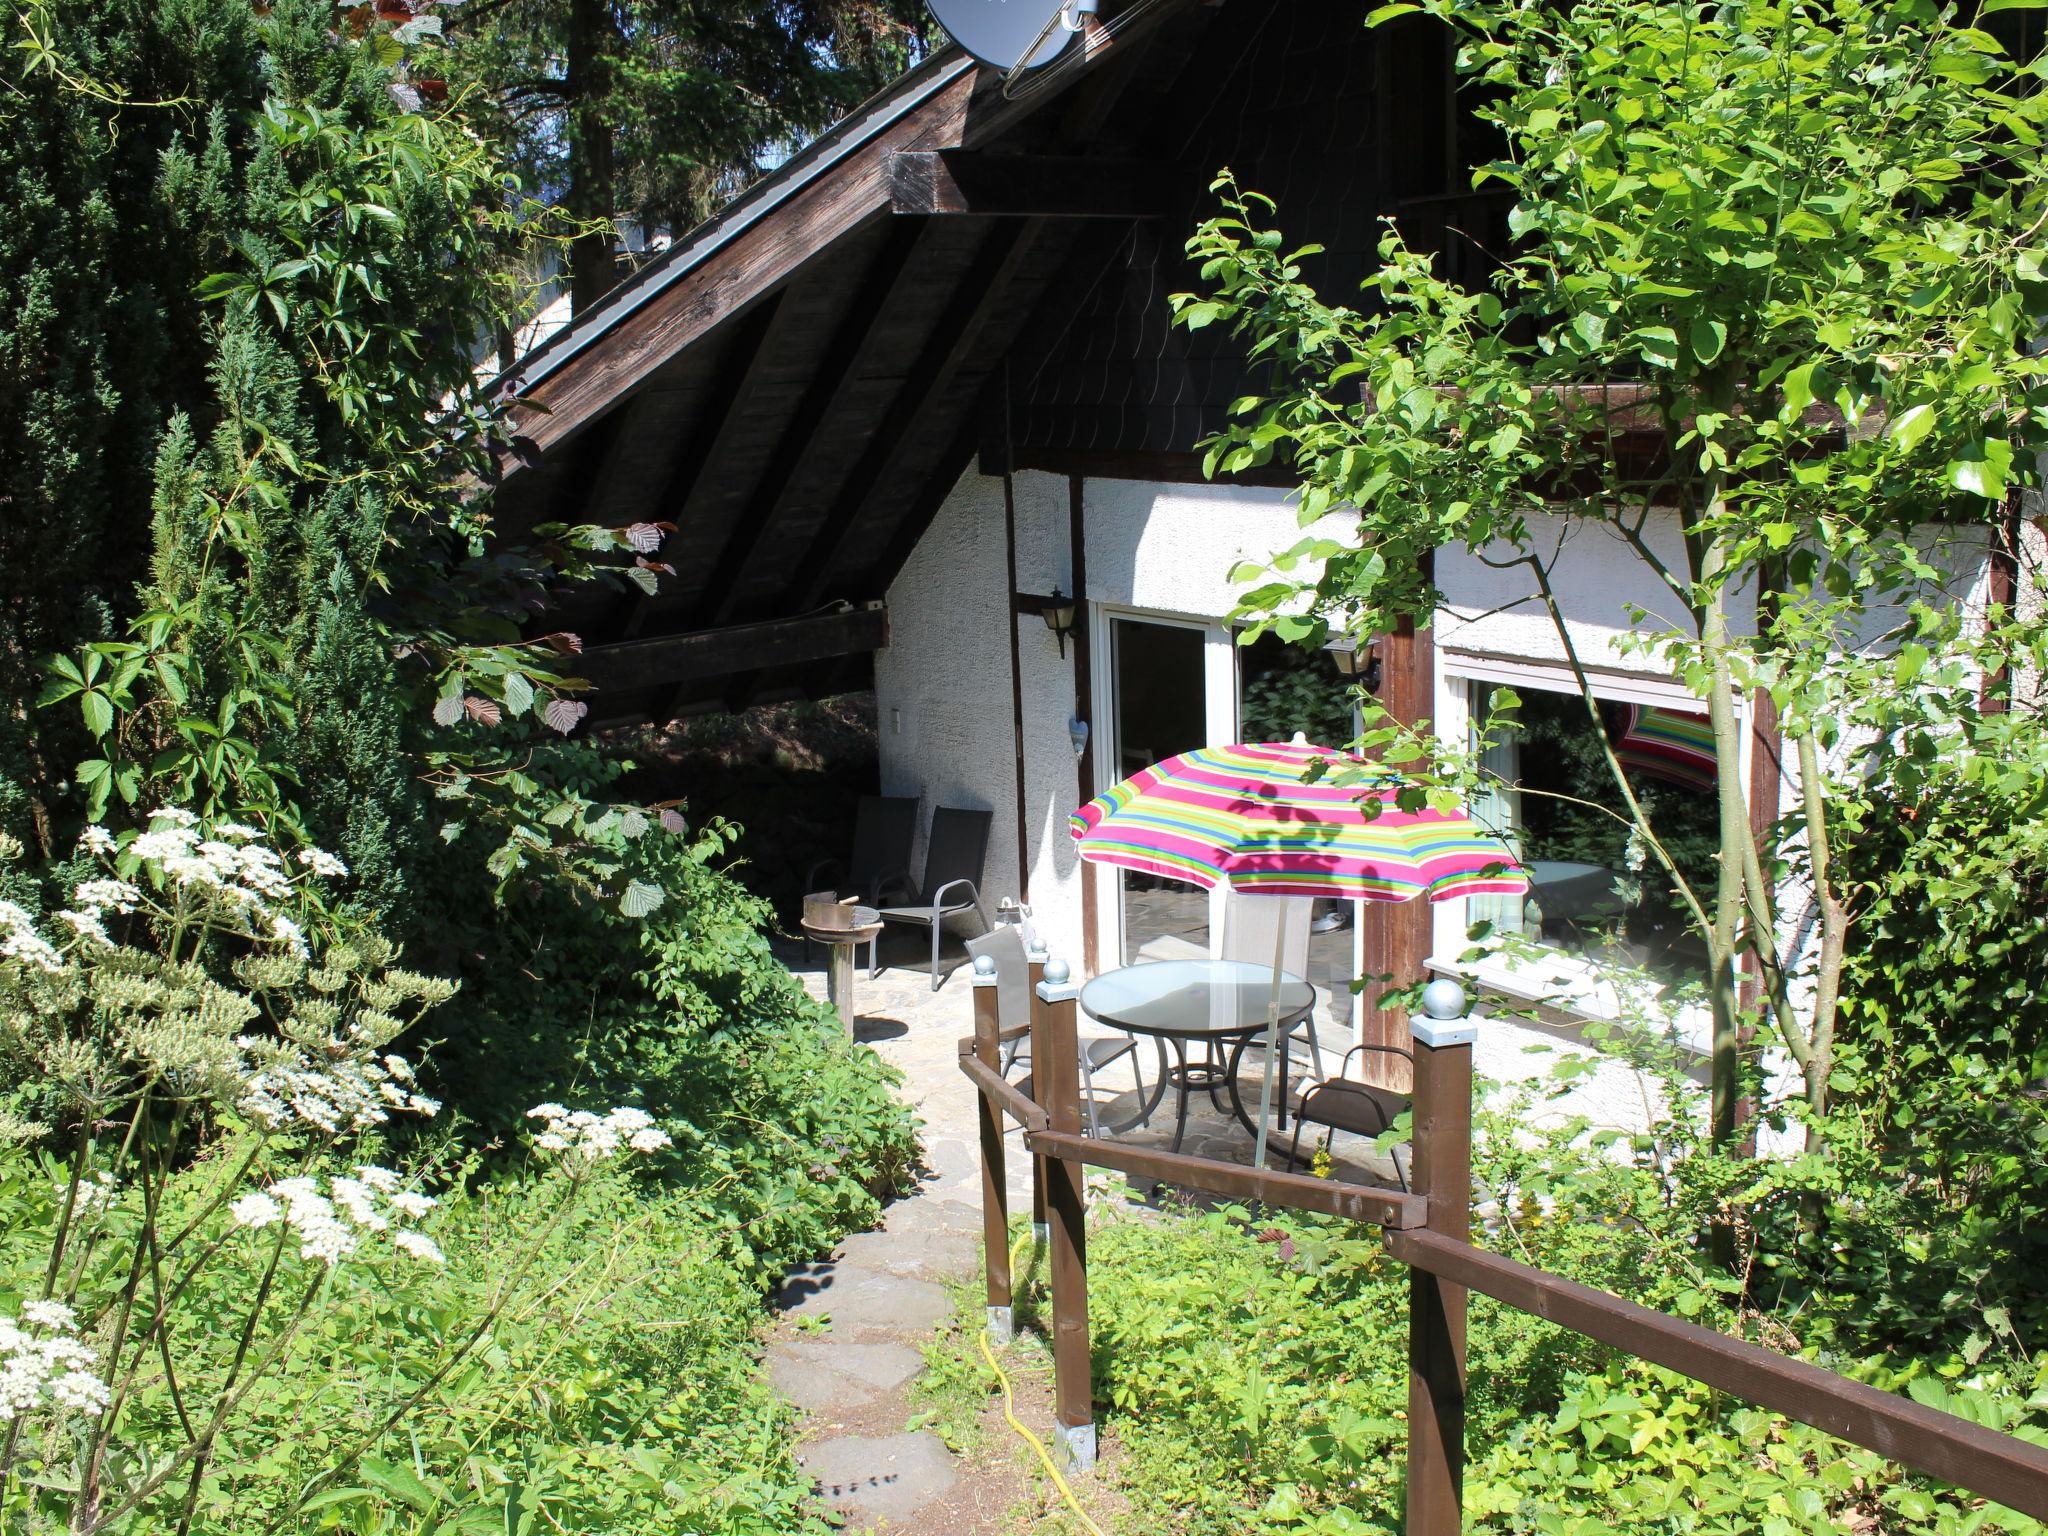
(1444, 1033)
(1056, 1068)
(995, 1196)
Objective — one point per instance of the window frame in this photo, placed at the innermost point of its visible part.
(1580, 987)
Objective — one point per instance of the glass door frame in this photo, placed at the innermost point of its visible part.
(1222, 693)
(1219, 709)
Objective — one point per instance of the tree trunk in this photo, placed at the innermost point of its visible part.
(587, 83)
(1834, 931)
(1724, 939)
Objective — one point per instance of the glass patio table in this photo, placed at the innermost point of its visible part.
(1212, 1003)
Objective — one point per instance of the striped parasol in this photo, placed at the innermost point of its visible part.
(1243, 814)
(1250, 815)
(1668, 744)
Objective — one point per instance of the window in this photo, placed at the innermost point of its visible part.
(1598, 893)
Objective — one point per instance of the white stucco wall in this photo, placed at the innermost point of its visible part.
(1168, 549)
(944, 680)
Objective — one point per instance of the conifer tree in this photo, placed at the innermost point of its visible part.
(658, 110)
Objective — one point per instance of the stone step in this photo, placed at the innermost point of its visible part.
(880, 1477)
(856, 1298)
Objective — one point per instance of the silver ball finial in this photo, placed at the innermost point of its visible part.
(1057, 972)
(1443, 999)
(984, 965)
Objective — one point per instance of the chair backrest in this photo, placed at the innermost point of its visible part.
(1005, 946)
(884, 827)
(956, 848)
(1249, 923)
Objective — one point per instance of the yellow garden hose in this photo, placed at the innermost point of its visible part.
(1010, 1414)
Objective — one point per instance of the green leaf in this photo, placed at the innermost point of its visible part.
(640, 899)
(1708, 339)
(1981, 468)
(518, 693)
(1659, 344)
(1798, 388)
(1911, 427)
(399, 1480)
(99, 712)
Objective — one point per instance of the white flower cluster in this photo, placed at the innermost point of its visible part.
(223, 863)
(591, 1136)
(331, 1225)
(20, 941)
(347, 1096)
(234, 864)
(95, 1194)
(43, 1363)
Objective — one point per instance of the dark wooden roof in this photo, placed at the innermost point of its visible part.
(799, 383)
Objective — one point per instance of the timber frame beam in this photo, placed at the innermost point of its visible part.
(653, 661)
(827, 191)
(955, 182)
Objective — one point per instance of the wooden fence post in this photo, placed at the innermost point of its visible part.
(1058, 1073)
(1443, 1035)
(995, 1189)
(1039, 1023)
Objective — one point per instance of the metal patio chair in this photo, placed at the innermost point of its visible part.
(877, 869)
(1013, 1011)
(1248, 923)
(953, 858)
(1343, 1103)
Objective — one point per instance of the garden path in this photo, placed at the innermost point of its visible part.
(848, 1347)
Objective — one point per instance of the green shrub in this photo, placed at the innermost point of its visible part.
(690, 1016)
(619, 1391)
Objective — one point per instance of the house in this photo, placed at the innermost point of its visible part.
(915, 394)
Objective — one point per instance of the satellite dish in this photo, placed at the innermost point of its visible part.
(1009, 34)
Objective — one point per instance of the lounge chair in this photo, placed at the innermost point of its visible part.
(1343, 1103)
(953, 857)
(878, 868)
(1013, 1010)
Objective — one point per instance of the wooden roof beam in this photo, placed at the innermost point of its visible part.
(824, 194)
(974, 305)
(758, 528)
(701, 445)
(961, 182)
(659, 660)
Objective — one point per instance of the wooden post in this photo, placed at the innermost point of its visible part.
(1058, 1072)
(1396, 937)
(1443, 1036)
(995, 1188)
(1041, 1022)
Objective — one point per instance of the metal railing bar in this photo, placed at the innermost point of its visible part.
(1998, 1466)
(1000, 1091)
(1303, 1192)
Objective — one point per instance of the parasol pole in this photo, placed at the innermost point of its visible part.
(1272, 1034)
(1273, 1013)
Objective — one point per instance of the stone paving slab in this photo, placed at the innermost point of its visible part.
(856, 1298)
(883, 1477)
(921, 1252)
(820, 1375)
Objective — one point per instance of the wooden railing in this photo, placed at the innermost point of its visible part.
(1427, 1230)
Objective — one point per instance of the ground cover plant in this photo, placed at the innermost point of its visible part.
(1251, 1367)
(1792, 250)
(339, 983)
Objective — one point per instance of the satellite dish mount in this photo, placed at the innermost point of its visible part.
(1013, 35)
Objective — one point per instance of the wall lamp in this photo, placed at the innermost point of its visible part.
(1362, 664)
(1057, 611)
